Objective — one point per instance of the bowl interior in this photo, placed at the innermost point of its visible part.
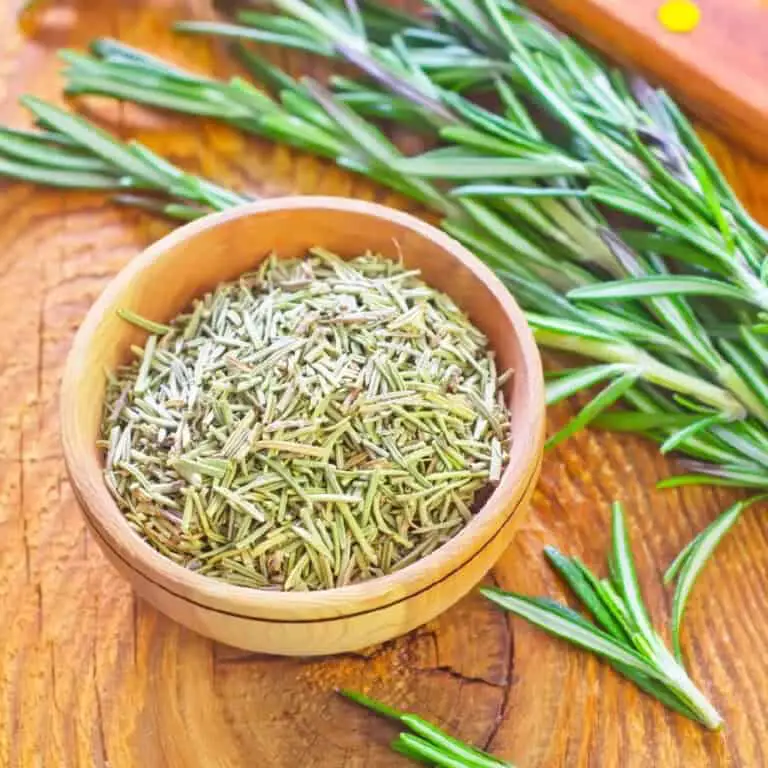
(161, 282)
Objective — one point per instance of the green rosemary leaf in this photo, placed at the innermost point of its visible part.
(676, 438)
(375, 706)
(95, 139)
(424, 751)
(543, 615)
(637, 421)
(491, 168)
(712, 201)
(718, 475)
(37, 152)
(314, 44)
(626, 575)
(665, 245)
(744, 441)
(271, 21)
(582, 378)
(755, 345)
(55, 177)
(45, 138)
(471, 757)
(611, 394)
(265, 72)
(177, 211)
(674, 567)
(578, 580)
(507, 146)
(570, 328)
(402, 748)
(691, 561)
(302, 134)
(663, 285)
(507, 190)
(752, 373)
(109, 49)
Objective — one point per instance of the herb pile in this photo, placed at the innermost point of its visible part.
(316, 423)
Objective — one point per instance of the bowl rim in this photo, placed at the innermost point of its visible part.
(108, 523)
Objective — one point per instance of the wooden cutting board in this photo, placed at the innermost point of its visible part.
(92, 678)
(720, 70)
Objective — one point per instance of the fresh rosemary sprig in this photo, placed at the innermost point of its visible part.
(663, 342)
(73, 153)
(426, 743)
(639, 163)
(687, 566)
(621, 632)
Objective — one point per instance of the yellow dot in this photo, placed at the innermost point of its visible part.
(680, 15)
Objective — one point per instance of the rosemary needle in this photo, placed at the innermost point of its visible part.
(687, 566)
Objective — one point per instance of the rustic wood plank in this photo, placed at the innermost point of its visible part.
(718, 70)
(89, 677)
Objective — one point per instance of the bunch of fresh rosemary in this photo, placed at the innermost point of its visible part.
(691, 369)
(584, 188)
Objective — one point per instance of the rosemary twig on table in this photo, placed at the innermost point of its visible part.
(621, 632)
(687, 566)
(74, 153)
(425, 742)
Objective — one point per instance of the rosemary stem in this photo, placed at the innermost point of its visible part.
(646, 367)
(730, 379)
(372, 704)
(678, 681)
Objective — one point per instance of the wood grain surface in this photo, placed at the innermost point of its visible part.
(719, 70)
(91, 677)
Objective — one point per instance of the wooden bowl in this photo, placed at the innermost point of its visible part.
(159, 284)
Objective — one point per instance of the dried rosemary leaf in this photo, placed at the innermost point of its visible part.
(314, 423)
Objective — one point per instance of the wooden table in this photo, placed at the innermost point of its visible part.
(91, 677)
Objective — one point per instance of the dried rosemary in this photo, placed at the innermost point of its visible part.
(315, 423)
